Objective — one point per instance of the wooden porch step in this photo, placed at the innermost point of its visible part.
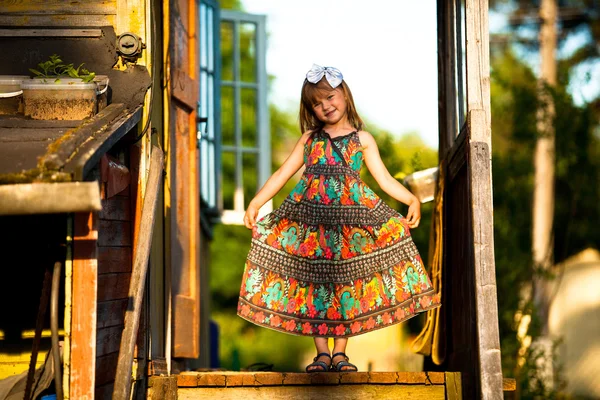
(228, 385)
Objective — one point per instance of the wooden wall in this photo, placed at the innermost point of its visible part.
(52, 13)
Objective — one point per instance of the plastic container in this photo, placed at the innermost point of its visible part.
(59, 99)
(102, 81)
(423, 184)
(11, 95)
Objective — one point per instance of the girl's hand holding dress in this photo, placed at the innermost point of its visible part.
(250, 216)
(413, 216)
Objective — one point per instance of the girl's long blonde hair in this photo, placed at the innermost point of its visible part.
(311, 91)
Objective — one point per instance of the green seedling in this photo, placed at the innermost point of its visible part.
(55, 68)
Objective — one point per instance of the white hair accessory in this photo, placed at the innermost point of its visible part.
(333, 75)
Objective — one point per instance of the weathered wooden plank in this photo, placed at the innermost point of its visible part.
(104, 392)
(106, 366)
(456, 157)
(114, 233)
(58, 20)
(113, 286)
(114, 260)
(230, 379)
(484, 265)
(27, 7)
(453, 386)
(185, 89)
(89, 153)
(62, 150)
(349, 392)
(478, 65)
(182, 193)
(37, 32)
(108, 340)
(162, 388)
(116, 208)
(84, 305)
(49, 198)
(111, 313)
(138, 279)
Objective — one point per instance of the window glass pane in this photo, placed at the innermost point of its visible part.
(203, 95)
(249, 122)
(212, 182)
(228, 182)
(210, 39)
(248, 52)
(203, 37)
(226, 51)
(250, 177)
(227, 116)
(204, 171)
(210, 107)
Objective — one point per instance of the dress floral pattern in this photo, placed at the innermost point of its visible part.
(333, 260)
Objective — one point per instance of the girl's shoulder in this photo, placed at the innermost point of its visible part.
(306, 136)
(365, 138)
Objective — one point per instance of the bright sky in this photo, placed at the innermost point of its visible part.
(386, 50)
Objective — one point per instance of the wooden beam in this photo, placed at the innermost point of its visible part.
(50, 32)
(122, 386)
(84, 305)
(49, 198)
(480, 172)
(478, 66)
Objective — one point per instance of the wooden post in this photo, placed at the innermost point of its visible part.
(480, 178)
(84, 306)
(136, 289)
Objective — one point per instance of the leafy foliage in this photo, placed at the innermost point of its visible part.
(56, 68)
(514, 104)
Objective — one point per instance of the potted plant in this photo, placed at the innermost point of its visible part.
(60, 91)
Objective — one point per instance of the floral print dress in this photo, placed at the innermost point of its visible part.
(333, 260)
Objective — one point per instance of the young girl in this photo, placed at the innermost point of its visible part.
(333, 260)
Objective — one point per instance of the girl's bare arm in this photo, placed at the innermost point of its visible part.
(386, 181)
(274, 184)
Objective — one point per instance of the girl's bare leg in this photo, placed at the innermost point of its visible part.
(322, 347)
(339, 346)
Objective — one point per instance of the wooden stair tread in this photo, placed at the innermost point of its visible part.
(231, 379)
(191, 379)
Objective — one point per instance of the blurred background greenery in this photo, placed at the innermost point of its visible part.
(514, 96)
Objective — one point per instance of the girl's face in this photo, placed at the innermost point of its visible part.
(330, 108)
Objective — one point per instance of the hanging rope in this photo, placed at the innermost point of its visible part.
(430, 342)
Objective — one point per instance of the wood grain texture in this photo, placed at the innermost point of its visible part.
(49, 198)
(484, 265)
(32, 7)
(108, 340)
(478, 65)
(116, 208)
(453, 386)
(37, 32)
(114, 260)
(114, 233)
(57, 20)
(350, 392)
(111, 313)
(113, 286)
(62, 150)
(138, 277)
(84, 303)
(231, 379)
